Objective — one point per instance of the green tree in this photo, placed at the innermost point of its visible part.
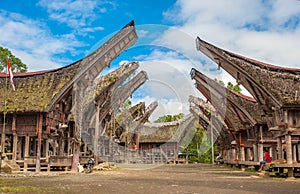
(237, 88)
(169, 118)
(16, 64)
(230, 86)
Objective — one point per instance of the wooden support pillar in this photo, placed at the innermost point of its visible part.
(97, 134)
(39, 143)
(233, 154)
(289, 154)
(298, 146)
(260, 152)
(55, 147)
(19, 149)
(15, 138)
(273, 152)
(279, 147)
(255, 153)
(294, 152)
(69, 143)
(47, 153)
(242, 153)
(248, 154)
(228, 155)
(26, 152)
(15, 146)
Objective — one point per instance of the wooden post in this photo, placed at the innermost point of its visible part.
(279, 147)
(298, 146)
(15, 146)
(47, 154)
(26, 152)
(15, 139)
(233, 154)
(260, 152)
(294, 152)
(39, 143)
(97, 133)
(69, 143)
(289, 154)
(273, 152)
(255, 152)
(19, 149)
(242, 153)
(248, 154)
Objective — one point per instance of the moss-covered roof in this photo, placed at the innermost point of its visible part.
(35, 90)
(279, 86)
(39, 91)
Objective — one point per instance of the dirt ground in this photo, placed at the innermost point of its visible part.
(190, 178)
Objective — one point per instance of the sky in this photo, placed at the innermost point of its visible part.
(51, 34)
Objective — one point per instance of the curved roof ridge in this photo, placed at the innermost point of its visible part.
(263, 64)
(243, 96)
(32, 73)
(254, 61)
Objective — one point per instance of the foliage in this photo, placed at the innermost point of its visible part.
(235, 87)
(169, 118)
(199, 148)
(16, 64)
(230, 86)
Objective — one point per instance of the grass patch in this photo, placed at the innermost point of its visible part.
(22, 189)
(17, 186)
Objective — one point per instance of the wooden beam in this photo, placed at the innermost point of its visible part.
(39, 143)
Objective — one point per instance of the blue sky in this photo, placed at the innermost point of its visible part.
(49, 34)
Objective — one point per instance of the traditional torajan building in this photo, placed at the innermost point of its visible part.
(252, 133)
(49, 103)
(276, 90)
(161, 142)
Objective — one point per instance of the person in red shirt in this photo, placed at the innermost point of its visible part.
(267, 159)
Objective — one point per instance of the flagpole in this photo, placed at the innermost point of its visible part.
(4, 122)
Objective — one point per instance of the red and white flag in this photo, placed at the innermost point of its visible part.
(10, 74)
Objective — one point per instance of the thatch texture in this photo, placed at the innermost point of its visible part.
(279, 84)
(166, 132)
(35, 90)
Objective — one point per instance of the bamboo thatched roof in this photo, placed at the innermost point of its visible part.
(270, 85)
(40, 91)
(35, 90)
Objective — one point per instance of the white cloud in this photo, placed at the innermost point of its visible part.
(169, 83)
(33, 43)
(76, 14)
(256, 29)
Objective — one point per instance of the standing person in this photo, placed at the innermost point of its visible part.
(267, 159)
